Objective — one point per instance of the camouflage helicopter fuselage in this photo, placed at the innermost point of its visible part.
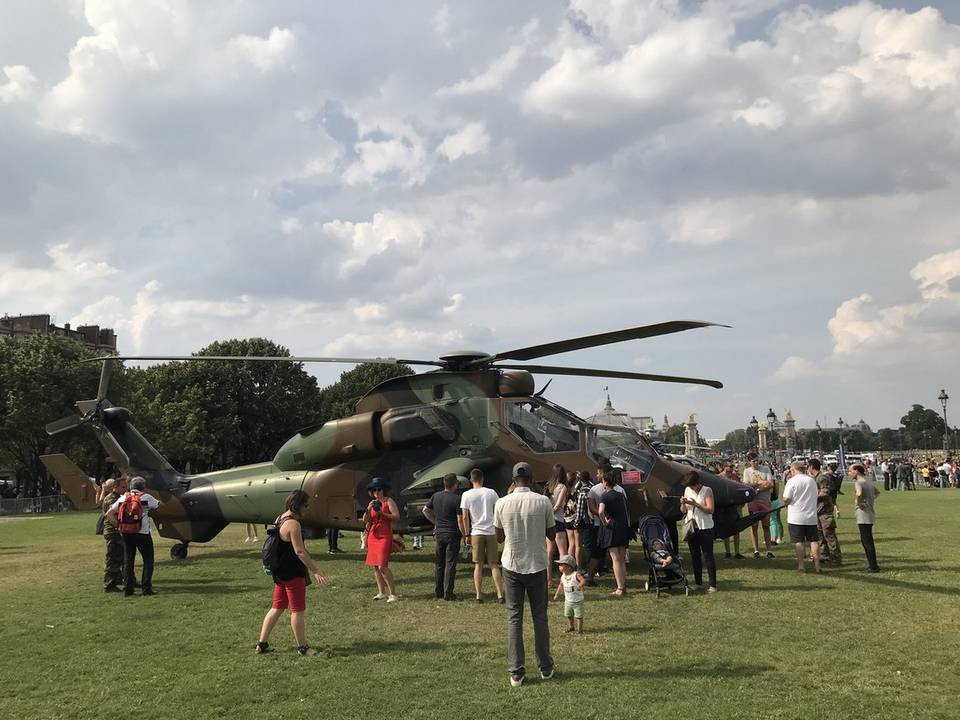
(411, 430)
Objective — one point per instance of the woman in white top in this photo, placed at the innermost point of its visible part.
(557, 491)
(697, 503)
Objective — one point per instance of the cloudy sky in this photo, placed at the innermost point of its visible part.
(409, 178)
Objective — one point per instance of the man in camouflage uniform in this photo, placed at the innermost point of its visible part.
(113, 562)
(826, 523)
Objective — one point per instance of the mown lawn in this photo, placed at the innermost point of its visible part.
(771, 644)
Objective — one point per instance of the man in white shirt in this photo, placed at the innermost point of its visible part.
(140, 541)
(523, 520)
(477, 507)
(800, 499)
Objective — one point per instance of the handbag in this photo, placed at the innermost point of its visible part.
(689, 528)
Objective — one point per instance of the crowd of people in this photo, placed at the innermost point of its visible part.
(560, 536)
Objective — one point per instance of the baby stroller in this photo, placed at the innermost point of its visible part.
(653, 527)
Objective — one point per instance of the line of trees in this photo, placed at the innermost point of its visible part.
(920, 428)
(201, 415)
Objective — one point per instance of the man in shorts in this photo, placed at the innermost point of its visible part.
(760, 479)
(476, 507)
(800, 499)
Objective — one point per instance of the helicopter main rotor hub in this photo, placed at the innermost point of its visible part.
(464, 359)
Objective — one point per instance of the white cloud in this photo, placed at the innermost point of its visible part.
(935, 274)
(396, 341)
(471, 140)
(265, 54)
(404, 155)
(795, 368)
(490, 79)
(762, 113)
(369, 311)
(366, 240)
(20, 86)
(456, 300)
(290, 225)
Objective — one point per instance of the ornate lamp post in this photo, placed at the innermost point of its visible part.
(755, 430)
(943, 397)
(840, 426)
(819, 437)
(772, 436)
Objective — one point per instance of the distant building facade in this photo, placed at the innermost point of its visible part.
(609, 416)
(94, 337)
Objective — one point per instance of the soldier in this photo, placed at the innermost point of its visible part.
(113, 561)
(826, 523)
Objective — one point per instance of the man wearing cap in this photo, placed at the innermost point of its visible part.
(523, 520)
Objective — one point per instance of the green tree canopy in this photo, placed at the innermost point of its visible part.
(340, 398)
(41, 377)
(221, 414)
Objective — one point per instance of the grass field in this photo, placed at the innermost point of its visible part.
(771, 644)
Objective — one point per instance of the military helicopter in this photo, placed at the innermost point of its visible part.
(474, 410)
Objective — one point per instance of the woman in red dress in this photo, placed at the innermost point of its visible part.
(379, 516)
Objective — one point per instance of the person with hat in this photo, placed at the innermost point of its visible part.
(379, 516)
(523, 519)
(571, 584)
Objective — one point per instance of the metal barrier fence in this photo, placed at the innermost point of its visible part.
(31, 505)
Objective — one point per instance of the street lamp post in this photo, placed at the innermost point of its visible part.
(840, 426)
(755, 428)
(819, 437)
(943, 397)
(771, 437)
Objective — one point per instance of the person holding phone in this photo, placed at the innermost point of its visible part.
(697, 503)
(379, 516)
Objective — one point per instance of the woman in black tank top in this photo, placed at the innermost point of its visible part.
(294, 566)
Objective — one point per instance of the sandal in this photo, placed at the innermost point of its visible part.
(306, 651)
(263, 648)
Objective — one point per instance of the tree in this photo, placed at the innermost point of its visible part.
(340, 398)
(737, 441)
(920, 419)
(41, 378)
(221, 414)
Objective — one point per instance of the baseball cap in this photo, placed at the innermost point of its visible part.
(522, 470)
(567, 560)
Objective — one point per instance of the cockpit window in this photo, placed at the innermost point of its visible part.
(625, 449)
(542, 428)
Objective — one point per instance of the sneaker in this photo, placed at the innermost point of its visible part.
(711, 589)
(739, 556)
(546, 674)
(306, 651)
(769, 555)
(379, 596)
(516, 680)
(392, 598)
(263, 648)
(727, 556)
(756, 554)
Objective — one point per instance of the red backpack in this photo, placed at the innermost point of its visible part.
(130, 514)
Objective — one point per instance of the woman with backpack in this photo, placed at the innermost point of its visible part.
(292, 569)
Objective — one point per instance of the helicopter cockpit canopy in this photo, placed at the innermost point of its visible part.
(625, 447)
(541, 427)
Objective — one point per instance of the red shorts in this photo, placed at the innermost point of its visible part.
(760, 507)
(290, 592)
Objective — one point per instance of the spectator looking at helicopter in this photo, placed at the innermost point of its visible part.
(523, 519)
(614, 529)
(731, 474)
(864, 512)
(556, 490)
(141, 541)
(443, 510)
(113, 573)
(800, 499)
(597, 552)
(569, 509)
(379, 516)
(477, 507)
(290, 578)
(581, 515)
(761, 480)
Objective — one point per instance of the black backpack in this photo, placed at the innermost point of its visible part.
(271, 548)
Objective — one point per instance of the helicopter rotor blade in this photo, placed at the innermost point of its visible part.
(588, 341)
(272, 358)
(587, 372)
(105, 371)
(63, 424)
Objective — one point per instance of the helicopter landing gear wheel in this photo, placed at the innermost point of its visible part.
(178, 551)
